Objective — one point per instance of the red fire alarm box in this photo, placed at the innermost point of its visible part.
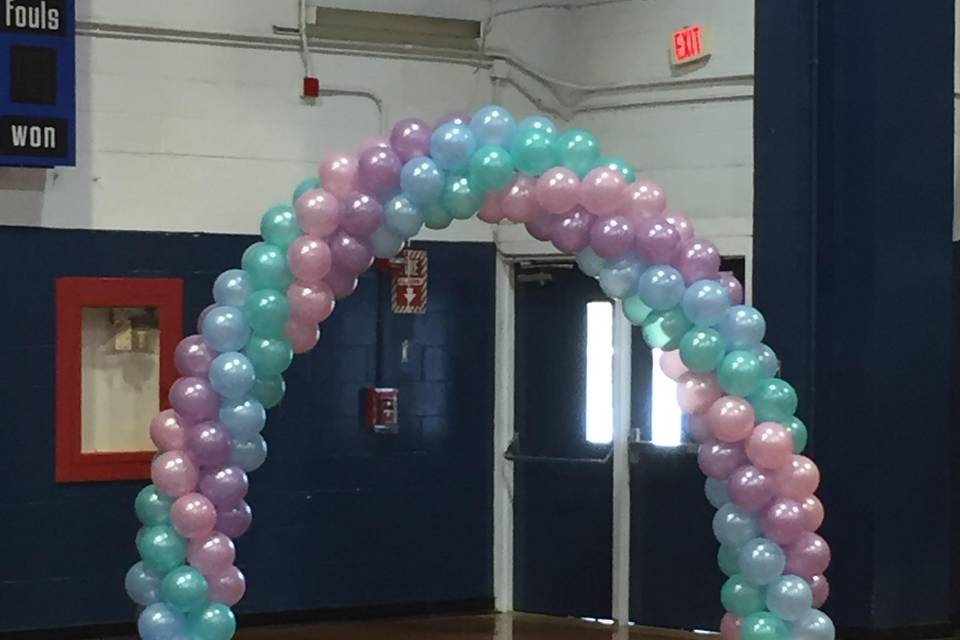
(382, 412)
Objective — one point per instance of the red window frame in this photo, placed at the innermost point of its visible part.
(73, 294)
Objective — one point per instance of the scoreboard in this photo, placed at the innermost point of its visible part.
(37, 90)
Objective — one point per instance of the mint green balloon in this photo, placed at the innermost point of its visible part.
(267, 265)
(579, 151)
(305, 185)
(636, 310)
(729, 560)
(664, 329)
(215, 622)
(152, 507)
(774, 400)
(702, 349)
(534, 150)
(161, 548)
(764, 626)
(270, 356)
(184, 589)
(798, 431)
(620, 164)
(435, 216)
(279, 226)
(491, 168)
(740, 373)
(740, 596)
(267, 312)
(269, 390)
(460, 197)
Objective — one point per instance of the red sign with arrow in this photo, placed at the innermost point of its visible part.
(409, 290)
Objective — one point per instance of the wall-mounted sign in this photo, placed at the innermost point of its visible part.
(689, 44)
(409, 290)
(37, 92)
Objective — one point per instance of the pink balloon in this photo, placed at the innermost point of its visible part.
(193, 516)
(350, 255)
(208, 444)
(697, 428)
(730, 627)
(341, 284)
(174, 474)
(318, 212)
(557, 190)
(718, 460)
(194, 399)
(733, 287)
(211, 554)
(612, 238)
(203, 314)
(657, 241)
(603, 192)
(812, 512)
(698, 259)
(681, 223)
(236, 521)
(671, 364)
(540, 226)
(750, 487)
(519, 203)
(797, 479)
(491, 210)
(338, 174)
(227, 587)
(821, 590)
(166, 431)
(695, 392)
(310, 303)
(783, 521)
(731, 419)
(644, 199)
(571, 230)
(309, 258)
(808, 556)
(770, 446)
(303, 336)
(192, 356)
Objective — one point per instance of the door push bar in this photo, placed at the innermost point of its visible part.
(512, 455)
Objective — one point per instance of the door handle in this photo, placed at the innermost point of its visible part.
(512, 455)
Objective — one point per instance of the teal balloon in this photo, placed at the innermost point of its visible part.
(621, 166)
(798, 431)
(763, 626)
(541, 123)
(701, 350)
(305, 185)
(716, 492)
(589, 262)
(152, 507)
(267, 265)
(579, 151)
(279, 227)
(461, 198)
(740, 373)
(269, 390)
(162, 549)
(728, 559)
(774, 400)
(490, 168)
(636, 310)
(270, 356)
(215, 622)
(267, 312)
(534, 150)
(184, 589)
(740, 596)
(665, 329)
(435, 216)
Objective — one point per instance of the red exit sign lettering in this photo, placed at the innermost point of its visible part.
(689, 44)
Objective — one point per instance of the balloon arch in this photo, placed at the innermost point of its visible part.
(622, 233)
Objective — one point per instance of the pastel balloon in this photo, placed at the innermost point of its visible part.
(350, 254)
(378, 171)
(762, 561)
(578, 150)
(612, 238)
(493, 125)
(763, 626)
(541, 226)
(731, 419)
(571, 230)
(421, 180)
(461, 197)
(167, 431)
(211, 553)
(159, 622)
(696, 393)
(698, 259)
(267, 266)
(701, 350)
(657, 241)
(808, 556)
(208, 444)
(739, 373)
(243, 418)
(152, 507)
(232, 375)
(249, 455)
(730, 627)
(311, 303)
(456, 117)
(318, 212)
(342, 284)
(790, 597)
(338, 174)
(619, 279)
(184, 589)
(557, 190)
(636, 311)
(733, 287)
(589, 262)
(680, 222)
(751, 488)
(491, 211)
(538, 122)
(402, 218)
(434, 217)
(664, 329)
(621, 166)
(410, 138)
(385, 244)
(741, 597)
(232, 287)
(672, 365)
(142, 585)
(769, 363)
(278, 226)
(812, 513)
(770, 446)
(813, 625)
(161, 548)
(705, 303)
(309, 258)
(362, 214)
(304, 186)
(644, 199)
(193, 515)
(225, 329)
(720, 459)
(797, 479)
(236, 521)
(603, 191)
(734, 526)
(215, 622)
(491, 168)
(203, 315)
(225, 488)
(174, 473)
(743, 327)
(821, 590)
(728, 560)
(451, 146)
(783, 521)
(519, 203)
(698, 430)
(227, 586)
(716, 492)
(774, 399)
(534, 150)
(303, 336)
(270, 356)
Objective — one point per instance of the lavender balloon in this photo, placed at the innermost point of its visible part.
(571, 231)
(751, 488)
(341, 283)
(362, 214)
(698, 259)
(720, 459)
(350, 255)
(236, 521)
(657, 240)
(541, 226)
(612, 238)
(208, 444)
(410, 138)
(378, 171)
(194, 399)
(225, 488)
(192, 356)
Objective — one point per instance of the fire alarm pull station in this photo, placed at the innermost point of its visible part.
(382, 412)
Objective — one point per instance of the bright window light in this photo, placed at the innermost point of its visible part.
(599, 406)
(665, 418)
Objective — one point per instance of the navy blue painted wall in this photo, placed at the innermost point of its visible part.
(342, 517)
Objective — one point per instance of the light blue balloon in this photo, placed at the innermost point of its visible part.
(589, 262)
(660, 287)
(386, 244)
(421, 180)
(762, 561)
(142, 585)
(493, 125)
(402, 217)
(705, 303)
(716, 492)
(232, 287)
(619, 280)
(160, 622)
(733, 526)
(244, 417)
(225, 329)
(728, 560)
(813, 625)
(451, 146)
(232, 375)
(790, 597)
(742, 327)
(769, 363)
(540, 123)
(249, 455)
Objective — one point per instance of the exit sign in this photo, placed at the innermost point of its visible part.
(689, 44)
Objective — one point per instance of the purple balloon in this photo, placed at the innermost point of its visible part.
(718, 460)
(541, 226)
(234, 522)
(341, 283)
(750, 487)
(208, 443)
(194, 399)
(612, 238)
(733, 287)
(808, 556)
(783, 521)
(379, 171)
(226, 488)
(462, 118)
(350, 255)
(362, 214)
(410, 138)
(698, 259)
(193, 357)
(657, 240)
(571, 231)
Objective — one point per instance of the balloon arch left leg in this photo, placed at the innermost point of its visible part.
(368, 205)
